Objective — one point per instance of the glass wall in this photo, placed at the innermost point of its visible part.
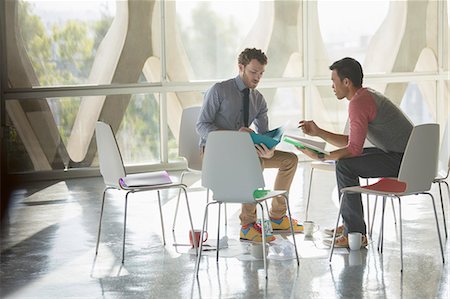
(138, 64)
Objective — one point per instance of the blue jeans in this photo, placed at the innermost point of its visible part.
(372, 163)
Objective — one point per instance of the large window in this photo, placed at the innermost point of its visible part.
(137, 64)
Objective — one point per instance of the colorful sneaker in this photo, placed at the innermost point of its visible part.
(342, 242)
(252, 232)
(330, 231)
(282, 225)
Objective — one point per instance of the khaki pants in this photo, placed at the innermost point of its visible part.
(286, 163)
(287, 166)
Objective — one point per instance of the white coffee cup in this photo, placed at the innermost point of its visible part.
(256, 250)
(309, 228)
(354, 240)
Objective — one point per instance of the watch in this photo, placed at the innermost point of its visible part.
(321, 156)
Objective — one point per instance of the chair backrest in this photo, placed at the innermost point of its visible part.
(231, 167)
(420, 161)
(110, 159)
(188, 146)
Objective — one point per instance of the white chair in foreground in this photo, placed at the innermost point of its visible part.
(232, 170)
(417, 172)
(115, 177)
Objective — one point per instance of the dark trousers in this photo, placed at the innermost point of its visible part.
(372, 163)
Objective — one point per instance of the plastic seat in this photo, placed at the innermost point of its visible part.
(417, 172)
(232, 170)
(115, 178)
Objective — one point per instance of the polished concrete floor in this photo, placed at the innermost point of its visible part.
(48, 249)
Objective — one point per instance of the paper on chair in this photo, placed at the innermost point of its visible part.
(146, 179)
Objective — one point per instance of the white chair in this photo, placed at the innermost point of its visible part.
(417, 172)
(232, 170)
(115, 177)
(188, 148)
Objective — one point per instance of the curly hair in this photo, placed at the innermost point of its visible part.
(248, 54)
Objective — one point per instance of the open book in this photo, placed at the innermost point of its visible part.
(270, 138)
(302, 142)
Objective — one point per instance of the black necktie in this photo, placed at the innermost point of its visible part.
(246, 104)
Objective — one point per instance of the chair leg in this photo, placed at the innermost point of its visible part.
(373, 215)
(268, 216)
(292, 229)
(335, 228)
(263, 231)
(381, 235)
(393, 211)
(207, 200)
(161, 218)
(178, 202)
(176, 210)
(443, 210)
(225, 213)
(309, 193)
(190, 217)
(218, 233)
(401, 233)
(124, 226)
(437, 227)
(199, 255)
(368, 210)
(100, 222)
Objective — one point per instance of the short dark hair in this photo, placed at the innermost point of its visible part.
(248, 54)
(349, 68)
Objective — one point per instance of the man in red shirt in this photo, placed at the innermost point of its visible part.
(372, 116)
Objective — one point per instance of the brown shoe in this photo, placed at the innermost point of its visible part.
(342, 242)
(330, 231)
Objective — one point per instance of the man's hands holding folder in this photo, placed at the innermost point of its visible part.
(261, 149)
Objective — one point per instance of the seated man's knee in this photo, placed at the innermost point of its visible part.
(291, 160)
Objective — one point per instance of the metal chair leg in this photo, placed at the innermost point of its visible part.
(199, 255)
(309, 193)
(178, 202)
(401, 233)
(263, 231)
(335, 228)
(101, 217)
(443, 210)
(437, 227)
(161, 218)
(292, 229)
(124, 227)
(218, 233)
(190, 217)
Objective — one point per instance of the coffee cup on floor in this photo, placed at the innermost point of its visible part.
(354, 240)
(309, 228)
(197, 235)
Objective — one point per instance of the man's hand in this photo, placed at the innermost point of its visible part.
(245, 129)
(309, 127)
(263, 151)
(308, 152)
